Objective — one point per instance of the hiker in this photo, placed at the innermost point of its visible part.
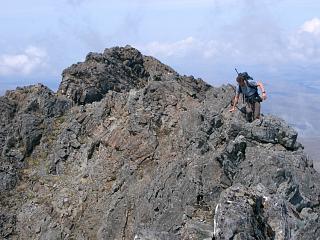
(249, 91)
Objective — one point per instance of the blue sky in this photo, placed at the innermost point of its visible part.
(277, 42)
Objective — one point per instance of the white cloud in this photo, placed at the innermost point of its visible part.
(184, 47)
(271, 46)
(304, 44)
(24, 63)
(166, 49)
(311, 26)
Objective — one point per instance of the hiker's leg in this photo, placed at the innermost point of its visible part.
(249, 111)
(256, 111)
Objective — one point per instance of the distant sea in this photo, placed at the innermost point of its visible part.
(311, 145)
(298, 102)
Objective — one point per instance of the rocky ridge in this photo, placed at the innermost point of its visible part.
(129, 149)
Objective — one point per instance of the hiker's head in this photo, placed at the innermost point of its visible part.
(241, 80)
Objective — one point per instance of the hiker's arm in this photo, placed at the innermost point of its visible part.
(264, 95)
(235, 102)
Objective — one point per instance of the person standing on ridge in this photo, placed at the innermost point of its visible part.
(249, 91)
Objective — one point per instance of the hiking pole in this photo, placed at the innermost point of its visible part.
(236, 71)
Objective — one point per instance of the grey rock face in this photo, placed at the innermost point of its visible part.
(26, 115)
(130, 149)
(117, 69)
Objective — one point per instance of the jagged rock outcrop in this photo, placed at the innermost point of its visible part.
(117, 69)
(129, 149)
(26, 115)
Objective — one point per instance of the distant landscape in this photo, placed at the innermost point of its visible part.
(312, 149)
